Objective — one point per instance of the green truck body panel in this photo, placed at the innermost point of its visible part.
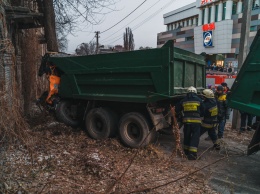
(245, 92)
(137, 76)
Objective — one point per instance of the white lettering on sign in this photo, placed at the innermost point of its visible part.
(204, 2)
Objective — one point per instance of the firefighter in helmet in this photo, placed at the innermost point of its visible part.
(209, 122)
(192, 110)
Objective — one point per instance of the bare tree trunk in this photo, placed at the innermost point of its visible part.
(128, 39)
(49, 26)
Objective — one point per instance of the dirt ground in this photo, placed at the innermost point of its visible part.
(66, 160)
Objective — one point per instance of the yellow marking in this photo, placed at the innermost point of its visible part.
(191, 120)
(193, 149)
(190, 106)
(214, 111)
(222, 98)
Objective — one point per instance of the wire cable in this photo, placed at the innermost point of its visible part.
(131, 21)
(144, 21)
(124, 17)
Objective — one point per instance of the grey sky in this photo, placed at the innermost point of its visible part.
(144, 27)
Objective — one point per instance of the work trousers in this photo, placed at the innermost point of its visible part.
(191, 138)
(221, 127)
(211, 132)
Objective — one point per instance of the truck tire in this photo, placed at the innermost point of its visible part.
(63, 114)
(101, 123)
(133, 130)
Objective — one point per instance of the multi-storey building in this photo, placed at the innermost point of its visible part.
(210, 26)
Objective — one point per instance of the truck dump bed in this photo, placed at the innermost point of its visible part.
(245, 92)
(137, 76)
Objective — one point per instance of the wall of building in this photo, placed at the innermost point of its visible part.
(183, 38)
(222, 37)
(227, 17)
(20, 55)
(184, 12)
(255, 25)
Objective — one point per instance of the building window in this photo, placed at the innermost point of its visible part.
(253, 4)
(189, 38)
(216, 13)
(191, 22)
(209, 18)
(234, 8)
(197, 21)
(253, 28)
(224, 11)
(168, 27)
(203, 15)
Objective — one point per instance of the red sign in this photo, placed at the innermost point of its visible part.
(203, 2)
(208, 27)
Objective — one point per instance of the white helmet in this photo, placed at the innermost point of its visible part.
(192, 89)
(208, 93)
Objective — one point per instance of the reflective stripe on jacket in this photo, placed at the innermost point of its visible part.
(211, 112)
(192, 108)
(222, 105)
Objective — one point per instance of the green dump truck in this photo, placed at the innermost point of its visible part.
(245, 92)
(127, 93)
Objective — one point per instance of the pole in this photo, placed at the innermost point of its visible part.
(243, 49)
(97, 43)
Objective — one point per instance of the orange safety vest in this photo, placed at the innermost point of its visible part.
(54, 85)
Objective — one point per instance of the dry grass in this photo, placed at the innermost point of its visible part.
(65, 160)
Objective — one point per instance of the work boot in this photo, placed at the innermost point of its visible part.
(192, 156)
(249, 128)
(216, 146)
(242, 130)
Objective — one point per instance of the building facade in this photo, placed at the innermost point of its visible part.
(210, 26)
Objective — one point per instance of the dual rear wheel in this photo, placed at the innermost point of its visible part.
(101, 123)
(133, 128)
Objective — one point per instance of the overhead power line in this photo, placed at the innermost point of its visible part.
(125, 17)
(144, 21)
(132, 20)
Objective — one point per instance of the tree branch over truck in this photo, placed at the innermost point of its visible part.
(62, 17)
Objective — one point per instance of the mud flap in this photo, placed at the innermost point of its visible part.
(254, 145)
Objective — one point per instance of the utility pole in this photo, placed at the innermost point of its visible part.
(97, 43)
(243, 49)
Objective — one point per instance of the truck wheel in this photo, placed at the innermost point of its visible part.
(133, 130)
(101, 123)
(64, 114)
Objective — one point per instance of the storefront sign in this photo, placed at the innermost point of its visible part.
(204, 2)
(208, 39)
(208, 27)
